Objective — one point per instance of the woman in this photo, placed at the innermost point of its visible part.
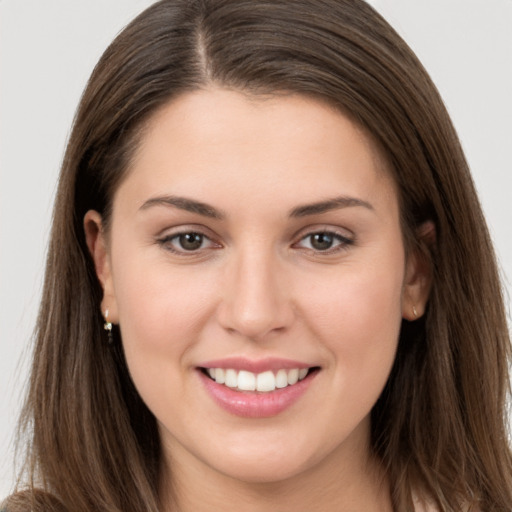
(269, 283)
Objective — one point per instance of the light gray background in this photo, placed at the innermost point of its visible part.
(47, 51)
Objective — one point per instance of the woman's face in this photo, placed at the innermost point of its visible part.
(254, 242)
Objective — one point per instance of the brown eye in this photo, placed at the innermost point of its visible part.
(321, 241)
(325, 241)
(187, 242)
(190, 241)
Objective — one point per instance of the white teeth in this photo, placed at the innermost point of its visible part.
(262, 382)
(231, 378)
(246, 381)
(281, 379)
(293, 377)
(266, 381)
(220, 375)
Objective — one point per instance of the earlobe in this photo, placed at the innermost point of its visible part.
(419, 273)
(98, 248)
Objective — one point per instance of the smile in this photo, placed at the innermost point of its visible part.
(257, 395)
(264, 382)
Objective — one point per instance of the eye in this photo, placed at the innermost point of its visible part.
(186, 242)
(324, 241)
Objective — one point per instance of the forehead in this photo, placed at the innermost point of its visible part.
(220, 143)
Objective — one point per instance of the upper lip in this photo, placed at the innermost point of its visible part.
(255, 366)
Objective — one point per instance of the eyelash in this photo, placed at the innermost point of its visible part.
(343, 242)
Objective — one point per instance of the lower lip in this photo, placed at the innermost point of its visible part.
(251, 404)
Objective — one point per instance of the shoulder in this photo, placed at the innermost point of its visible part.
(32, 500)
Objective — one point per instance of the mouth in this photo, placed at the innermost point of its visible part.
(264, 382)
(256, 388)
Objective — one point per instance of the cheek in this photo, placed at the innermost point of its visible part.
(161, 315)
(357, 317)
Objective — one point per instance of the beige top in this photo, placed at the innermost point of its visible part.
(428, 506)
(424, 507)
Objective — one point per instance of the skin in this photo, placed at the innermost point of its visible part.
(259, 287)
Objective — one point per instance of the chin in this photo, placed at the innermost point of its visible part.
(267, 463)
(264, 472)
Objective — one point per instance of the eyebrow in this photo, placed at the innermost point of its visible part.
(328, 205)
(184, 203)
(206, 210)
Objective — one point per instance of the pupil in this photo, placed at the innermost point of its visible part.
(322, 241)
(191, 241)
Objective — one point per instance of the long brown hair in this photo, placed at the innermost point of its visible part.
(439, 427)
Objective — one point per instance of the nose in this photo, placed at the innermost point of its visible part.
(255, 300)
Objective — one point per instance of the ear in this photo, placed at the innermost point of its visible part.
(419, 273)
(98, 247)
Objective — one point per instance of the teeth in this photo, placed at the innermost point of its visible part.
(281, 379)
(231, 378)
(246, 381)
(293, 377)
(265, 381)
(262, 382)
(220, 375)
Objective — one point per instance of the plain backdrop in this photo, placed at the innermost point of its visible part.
(47, 51)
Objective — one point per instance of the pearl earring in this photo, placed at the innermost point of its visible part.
(108, 327)
(414, 312)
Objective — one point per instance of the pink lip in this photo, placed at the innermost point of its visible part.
(259, 366)
(251, 404)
